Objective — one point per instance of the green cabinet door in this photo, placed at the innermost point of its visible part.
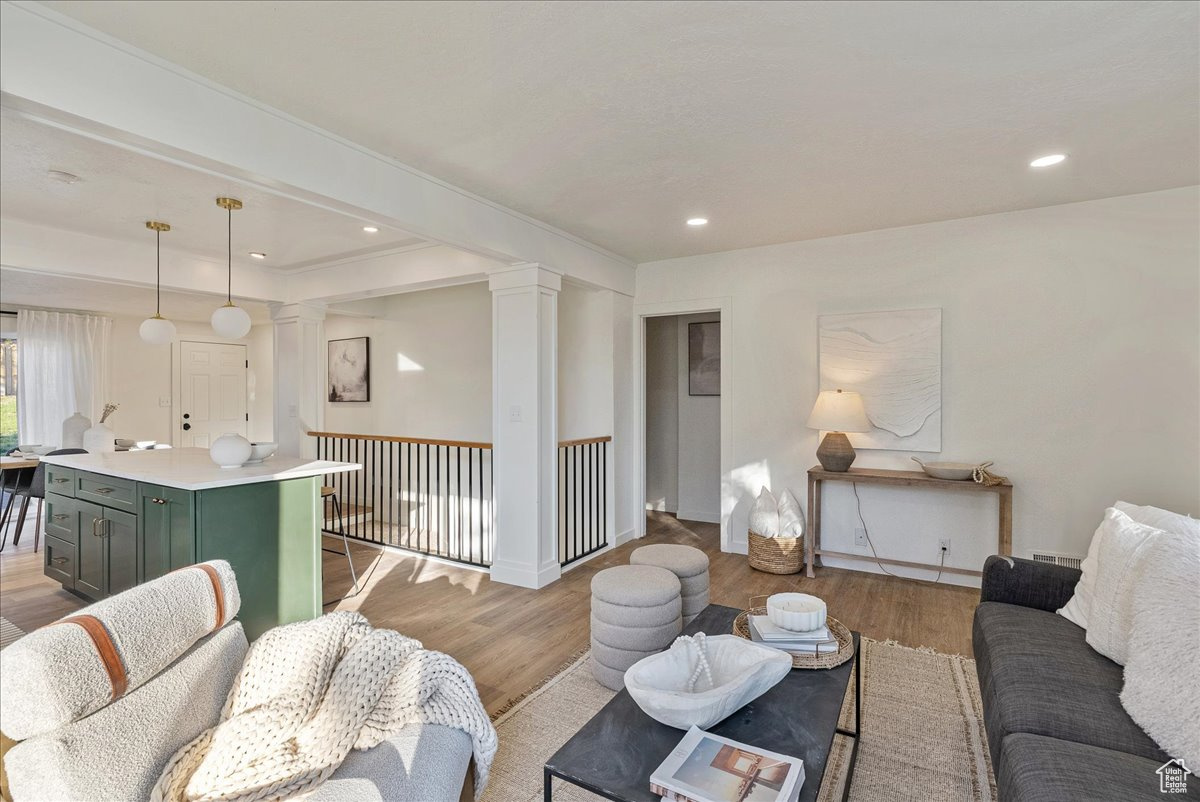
(166, 535)
(89, 559)
(120, 541)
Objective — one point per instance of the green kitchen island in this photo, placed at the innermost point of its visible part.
(115, 520)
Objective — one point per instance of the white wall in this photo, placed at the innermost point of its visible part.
(585, 362)
(1071, 357)
(625, 498)
(699, 438)
(662, 414)
(141, 377)
(431, 366)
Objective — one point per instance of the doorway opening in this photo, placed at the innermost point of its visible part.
(682, 467)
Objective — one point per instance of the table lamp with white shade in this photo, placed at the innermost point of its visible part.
(838, 412)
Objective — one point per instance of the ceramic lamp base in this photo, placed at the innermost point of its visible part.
(835, 452)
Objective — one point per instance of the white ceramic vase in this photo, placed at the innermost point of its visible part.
(73, 429)
(99, 439)
(230, 450)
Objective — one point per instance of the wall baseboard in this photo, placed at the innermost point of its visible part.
(699, 515)
(662, 508)
(626, 536)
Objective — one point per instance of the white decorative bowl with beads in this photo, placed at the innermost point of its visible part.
(702, 680)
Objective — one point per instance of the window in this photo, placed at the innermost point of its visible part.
(8, 395)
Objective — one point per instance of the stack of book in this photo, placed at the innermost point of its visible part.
(817, 641)
(708, 768)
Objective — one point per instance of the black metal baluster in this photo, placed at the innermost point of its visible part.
(604, 494)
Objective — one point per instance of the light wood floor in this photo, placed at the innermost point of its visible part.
(511, 638)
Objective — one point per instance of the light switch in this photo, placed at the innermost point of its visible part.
(514, 414)
(293, 412)
(164, 400)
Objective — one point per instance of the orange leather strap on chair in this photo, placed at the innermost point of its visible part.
(218, 593)
(106, 650)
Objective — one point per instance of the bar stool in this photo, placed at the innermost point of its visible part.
(331, 494)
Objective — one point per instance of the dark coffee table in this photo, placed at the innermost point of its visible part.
(614, 754)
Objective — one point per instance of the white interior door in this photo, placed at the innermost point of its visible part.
(212, 392)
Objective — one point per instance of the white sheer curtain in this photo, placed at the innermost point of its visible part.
(63, 361)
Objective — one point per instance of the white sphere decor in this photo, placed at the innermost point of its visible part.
(157, 330)
(230, 450)
(231, 321)
(797, 612)
(702, 680)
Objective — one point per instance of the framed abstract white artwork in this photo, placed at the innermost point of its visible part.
(894, 360)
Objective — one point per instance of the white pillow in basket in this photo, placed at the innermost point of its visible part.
(764, 515)
(791, 517)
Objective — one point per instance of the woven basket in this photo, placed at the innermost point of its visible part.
(741, 628)
(776, 555)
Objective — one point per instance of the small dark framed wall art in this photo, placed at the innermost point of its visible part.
(704, 358)
(349, 369)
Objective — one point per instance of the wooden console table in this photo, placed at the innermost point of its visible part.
(817, 476)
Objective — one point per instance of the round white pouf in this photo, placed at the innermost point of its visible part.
(688, 564)
(635, 613)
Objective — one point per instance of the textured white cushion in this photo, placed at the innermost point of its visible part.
(1119, 574)
(420, 763)
(1079, 607)
(118, 752)
(1161, 519)
(1162, 675)
(791, 517)
(764, 515)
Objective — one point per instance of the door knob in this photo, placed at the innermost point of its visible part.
(187, 426)
(186, 416)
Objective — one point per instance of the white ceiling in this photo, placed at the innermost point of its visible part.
(778, 121)
(120, 190)
(41, 290)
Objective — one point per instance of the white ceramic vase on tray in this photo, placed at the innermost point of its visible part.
(99, 439)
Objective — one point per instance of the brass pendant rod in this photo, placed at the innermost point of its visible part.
(229, 256)
(158, 273)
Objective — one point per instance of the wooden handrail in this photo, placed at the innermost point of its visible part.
(421, 441)
(584, 442)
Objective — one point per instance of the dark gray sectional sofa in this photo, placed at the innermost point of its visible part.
(1055, 725)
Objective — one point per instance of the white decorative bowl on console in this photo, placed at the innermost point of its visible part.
(674, 688)
(954, 471)
(797, 612)
(260, 451)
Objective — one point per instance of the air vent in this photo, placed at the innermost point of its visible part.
(1057, 558)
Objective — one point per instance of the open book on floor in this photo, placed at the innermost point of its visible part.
(708, 768)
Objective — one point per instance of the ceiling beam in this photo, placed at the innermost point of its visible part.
(60, 72)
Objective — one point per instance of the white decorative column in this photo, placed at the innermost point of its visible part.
(299, 376)
(525, 424)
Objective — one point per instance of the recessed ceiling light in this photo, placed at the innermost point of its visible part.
(1048, 161)
(63, 176)
(258, 255)
(371, 229)
(697, 221)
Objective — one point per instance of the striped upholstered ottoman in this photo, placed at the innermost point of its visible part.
(687, 563)
(636, 612)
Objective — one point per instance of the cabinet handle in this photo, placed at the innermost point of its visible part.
(59, 560)
(62, 516)
(159, 500)
(95, 527)
(59, 480)
(105, 490)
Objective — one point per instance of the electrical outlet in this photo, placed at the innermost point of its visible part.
(860, 538)
(514, 414)
(944, 546)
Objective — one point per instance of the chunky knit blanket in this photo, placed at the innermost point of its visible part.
(310, 692)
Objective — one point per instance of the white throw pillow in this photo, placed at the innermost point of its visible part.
(1079, 607)
(1119, 573)
(791, 517)
(1162, 676)
(764, 516)
(1161, 519)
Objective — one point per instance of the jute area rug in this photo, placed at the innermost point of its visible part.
(922, 732)
(9, 632)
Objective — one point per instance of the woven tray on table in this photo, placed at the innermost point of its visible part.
(741, 628)
(775, 555)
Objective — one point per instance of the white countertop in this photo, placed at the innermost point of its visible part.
(193, 469)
